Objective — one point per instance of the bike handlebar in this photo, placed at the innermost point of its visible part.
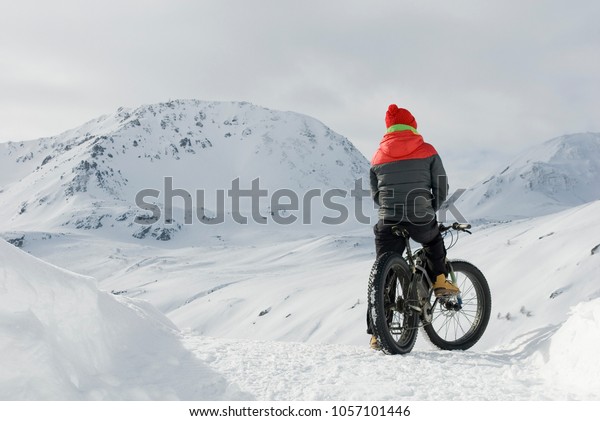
(402, 232)
(456, 226)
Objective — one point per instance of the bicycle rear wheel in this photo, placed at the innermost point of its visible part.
(390, 295)
(459, 324)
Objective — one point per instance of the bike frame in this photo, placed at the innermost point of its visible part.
(422, 271)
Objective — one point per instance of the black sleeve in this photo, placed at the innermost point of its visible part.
(439, 182)
(374, 187)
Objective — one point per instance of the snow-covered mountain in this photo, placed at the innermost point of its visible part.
(556, 175)
(88, 177)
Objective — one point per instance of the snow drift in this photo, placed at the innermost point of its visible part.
(62, 339)
(572, 352)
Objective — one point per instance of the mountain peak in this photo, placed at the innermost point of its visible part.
(102, 164)
(558, 174)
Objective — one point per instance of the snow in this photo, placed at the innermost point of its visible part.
(285, 321)
(300, 371)
(572, 352)
(63, 339)
(272, 312)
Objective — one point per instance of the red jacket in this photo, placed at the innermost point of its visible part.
(408, 180)
(402, 145)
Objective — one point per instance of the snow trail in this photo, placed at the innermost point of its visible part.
(303, 372)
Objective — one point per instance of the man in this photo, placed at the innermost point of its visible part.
(409, 183)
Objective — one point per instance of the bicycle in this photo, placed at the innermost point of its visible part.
(401, 299)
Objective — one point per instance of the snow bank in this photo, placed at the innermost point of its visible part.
(63, 339)
(572, 354)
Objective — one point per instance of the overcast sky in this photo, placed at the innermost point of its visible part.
(484, 79)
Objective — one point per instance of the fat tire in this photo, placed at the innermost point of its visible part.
(387, 269)
(480, 318)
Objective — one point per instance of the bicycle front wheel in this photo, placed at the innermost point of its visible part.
(459, 322)
(391, 295)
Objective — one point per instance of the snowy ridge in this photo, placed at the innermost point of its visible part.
(87, 178)
(558, 174)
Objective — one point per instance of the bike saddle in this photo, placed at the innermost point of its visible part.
(400, 231)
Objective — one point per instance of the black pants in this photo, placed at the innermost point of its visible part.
(428, 235)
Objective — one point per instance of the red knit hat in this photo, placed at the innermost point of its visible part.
(395, 115)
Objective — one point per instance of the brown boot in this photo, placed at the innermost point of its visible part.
(444, 288)
(375, 343)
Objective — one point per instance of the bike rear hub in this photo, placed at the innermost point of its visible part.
(452, 305)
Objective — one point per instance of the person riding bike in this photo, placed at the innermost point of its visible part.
(409, 184)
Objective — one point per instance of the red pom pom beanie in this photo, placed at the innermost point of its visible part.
(395, 115)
